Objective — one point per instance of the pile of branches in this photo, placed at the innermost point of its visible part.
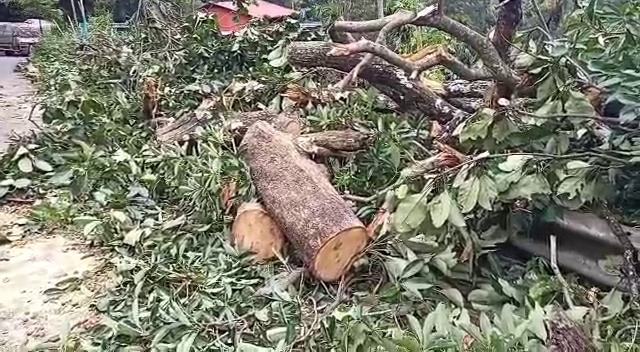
(249, 208)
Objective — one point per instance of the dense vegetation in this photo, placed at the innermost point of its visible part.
(432, 279)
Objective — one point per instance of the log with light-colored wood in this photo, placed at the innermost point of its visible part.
(255, 231)
(322, 229)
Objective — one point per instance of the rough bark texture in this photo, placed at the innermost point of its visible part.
(566, 336)
(331, 143)
(509, 17)
(255, 231)
(286, 122)
(322, 228)
(410, 95)
(465, 89)
(187, 127)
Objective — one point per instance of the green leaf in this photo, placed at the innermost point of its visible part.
(536, 323)
(132, 237)
(557, 49)
(439, 208)
(395, 267)
(120, 216)
(577, 103)
(22, 183)
(412, 268)
(415, 285)
(279, 62)
(487, 193)
(61, 178)
(186, 342)
(25, 165)
(546, 88)
(410, 213)
(527, 186)
(502, 129)
(577, 164)
(454, 295)
(514, 162)
(3, 191)
(455, 216)
(613, 303)
(42, 165)
(416, 327)
(571, 186)
(478, 128)
(20, 152)
(88, 228)
(276, 53)
(173, 223)
(276, 334)
(468, 194)
(247, 347)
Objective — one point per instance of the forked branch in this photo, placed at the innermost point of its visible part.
(436, 56)
(431, 17)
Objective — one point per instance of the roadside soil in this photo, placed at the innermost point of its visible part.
(48, 279)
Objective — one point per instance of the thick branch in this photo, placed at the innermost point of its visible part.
(334, 143)
(437, 56)
(410, 95)
(485, 49)
(430, 17)
(397, 20)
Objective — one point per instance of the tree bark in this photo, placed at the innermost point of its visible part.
(187, 127)
(322, 228)
(410, 95)
(332, 143)
(380, 8)
(509, 17)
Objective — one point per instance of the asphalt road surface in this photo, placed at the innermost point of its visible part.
(16, 101)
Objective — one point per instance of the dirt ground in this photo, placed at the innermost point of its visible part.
(16, 101)
(45, 279)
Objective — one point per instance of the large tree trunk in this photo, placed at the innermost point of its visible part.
(322, 228)
(410, 95)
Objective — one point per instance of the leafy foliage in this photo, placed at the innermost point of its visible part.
(431, 280)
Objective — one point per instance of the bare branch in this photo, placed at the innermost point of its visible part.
(397, 20)
(430, 17)
(485, 49)
(437, 56)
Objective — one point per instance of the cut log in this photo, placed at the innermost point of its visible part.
(334, 143)
(186, 127)
(323, 230)
(255, 231)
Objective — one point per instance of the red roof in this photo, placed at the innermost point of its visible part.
(261, 9)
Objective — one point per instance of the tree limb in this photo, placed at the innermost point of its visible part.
(412, 96)
(437, 56)
(397, 20)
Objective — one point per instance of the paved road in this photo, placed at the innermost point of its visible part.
(16, 96)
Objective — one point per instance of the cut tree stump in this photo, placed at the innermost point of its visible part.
(321, 227)
(255, 231)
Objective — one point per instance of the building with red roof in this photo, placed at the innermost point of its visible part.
(230, 20)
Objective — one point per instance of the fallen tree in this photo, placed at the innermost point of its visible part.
(322, 228)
